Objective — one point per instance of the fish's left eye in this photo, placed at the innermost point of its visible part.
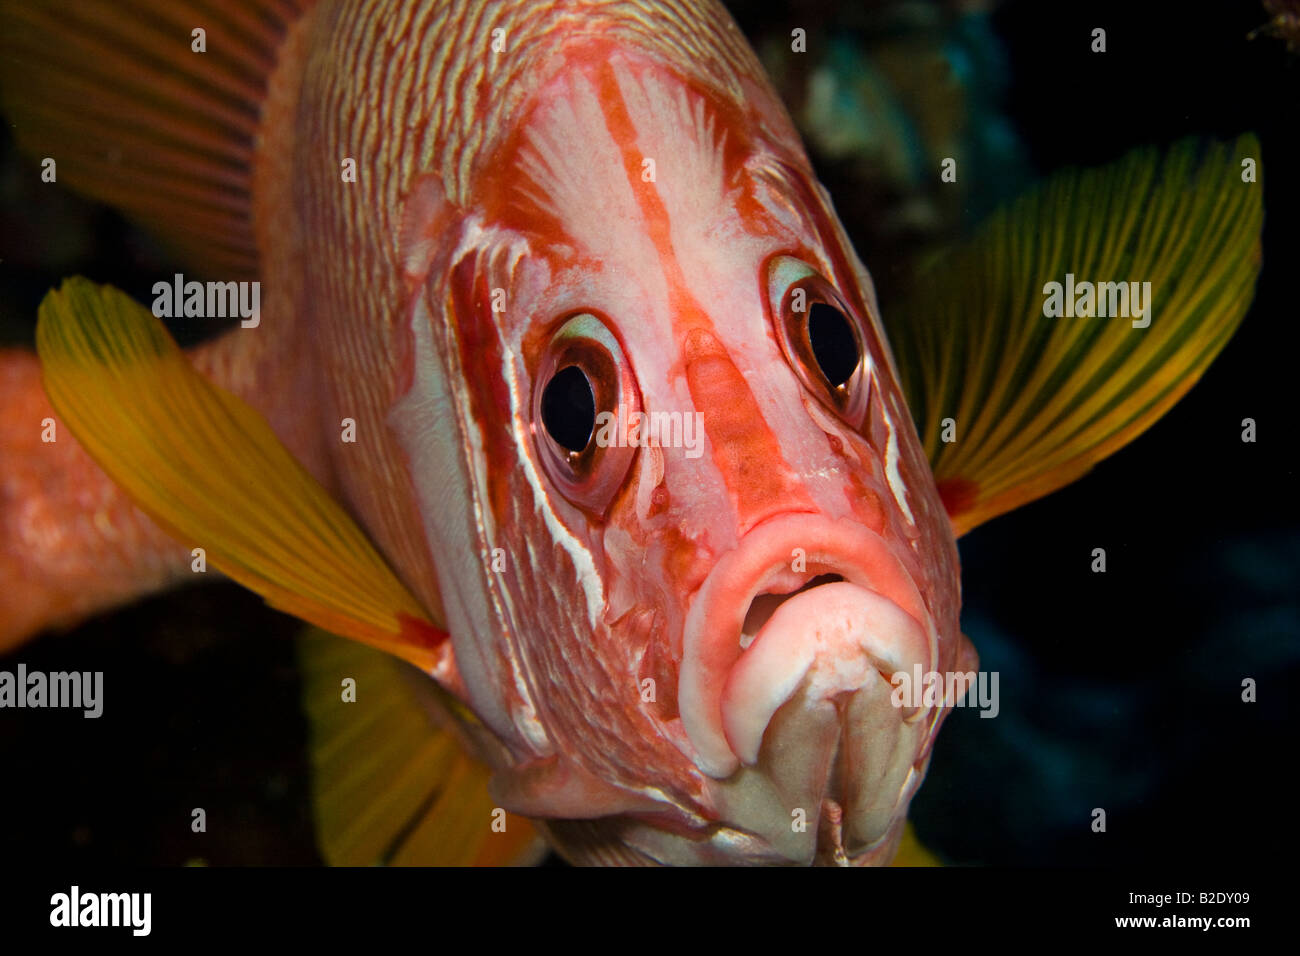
(583, 383)
(820, 336)
(834, 346)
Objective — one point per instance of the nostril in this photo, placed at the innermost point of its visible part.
(764, 606)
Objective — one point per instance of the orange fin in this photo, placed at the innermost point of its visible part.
(116, 94)
(1032, 402)
(211, 472)
(391, 783)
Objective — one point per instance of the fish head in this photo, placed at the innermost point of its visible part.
(690, 534)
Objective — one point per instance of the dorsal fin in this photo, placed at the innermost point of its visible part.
(115, 92)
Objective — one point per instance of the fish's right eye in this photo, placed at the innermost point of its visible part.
(569, 409)
(583, 390)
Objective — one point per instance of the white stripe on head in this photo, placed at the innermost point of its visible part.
(574, 171)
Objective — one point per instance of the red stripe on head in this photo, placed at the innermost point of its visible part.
(745, 450)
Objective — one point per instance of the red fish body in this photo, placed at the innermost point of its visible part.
(555, 208)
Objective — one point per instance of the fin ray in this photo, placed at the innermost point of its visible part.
(1039, 400)
(114, 93)
(422, 801)
(209, 469)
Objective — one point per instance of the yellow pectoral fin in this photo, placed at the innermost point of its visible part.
(390, 784)
(910, 851)
(210, 471)
(1015, 389)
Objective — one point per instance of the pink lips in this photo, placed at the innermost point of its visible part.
(829, 640)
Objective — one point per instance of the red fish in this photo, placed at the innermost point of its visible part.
(567, 388)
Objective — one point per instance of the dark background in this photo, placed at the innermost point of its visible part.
(1119, 691)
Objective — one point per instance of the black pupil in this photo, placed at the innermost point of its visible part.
(569, 408)
(833, 343)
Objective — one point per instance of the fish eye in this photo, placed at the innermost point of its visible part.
(833, 343)
(584, 387)
(569, 409)
(820, 336)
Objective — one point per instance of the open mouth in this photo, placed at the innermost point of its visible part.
(808, 711)
(765, 604)
(755, 631)
(785, 693)
(818, 644)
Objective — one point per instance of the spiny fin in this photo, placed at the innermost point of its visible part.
(390, 785)
(212, 473)
(1038, 401)
(910, 851)
(113, 91)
